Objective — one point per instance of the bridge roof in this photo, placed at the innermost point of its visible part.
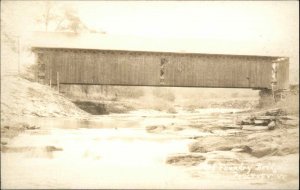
(99, 41)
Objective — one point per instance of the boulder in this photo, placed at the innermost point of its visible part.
(196, 147)
(155, 128)
(242, 148)
(52, 148)
(185, 159)
(271, 125)
(32, 127)
(254, 128)
(263, 122)
(265, 151)
(275, 112)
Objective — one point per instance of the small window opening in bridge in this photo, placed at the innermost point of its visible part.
(275, 66)
(163, 61)
(274, 71)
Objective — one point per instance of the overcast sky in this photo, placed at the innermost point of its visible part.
(234, 20)
(262, 28)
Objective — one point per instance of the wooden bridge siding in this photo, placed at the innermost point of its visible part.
(47, 61)
(151, 69)
(265, 72)
(221, 71)
(117, 68)
(254, 73)
(283, 75)
(192, 71)
(143, 68)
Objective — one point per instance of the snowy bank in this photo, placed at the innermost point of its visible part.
(21, 97)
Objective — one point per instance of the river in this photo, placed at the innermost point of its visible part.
(117, 151)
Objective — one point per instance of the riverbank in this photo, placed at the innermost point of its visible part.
(23, 98)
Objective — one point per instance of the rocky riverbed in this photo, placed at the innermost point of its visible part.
(153, 149)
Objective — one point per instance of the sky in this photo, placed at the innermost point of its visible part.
(257, 27)
(235, 20)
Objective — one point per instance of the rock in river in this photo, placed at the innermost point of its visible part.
(185, 159)
(271, 125)
(155, 128)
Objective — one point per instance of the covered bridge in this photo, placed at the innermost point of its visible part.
(99, 60)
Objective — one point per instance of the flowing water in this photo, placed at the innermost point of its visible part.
(116, 151)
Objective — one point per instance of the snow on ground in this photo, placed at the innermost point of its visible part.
(21, 97)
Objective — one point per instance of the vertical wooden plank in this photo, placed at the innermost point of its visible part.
(119, 65)
(68, 66)
(71, 66)
(136, 69)
(73, 63)
(221, 67)
(259, 74)
(80, 70)
(53, 66)
(99, 67)
(121, 68)
(90, 76)
(69, 69)
(62, 66)
(57, 82)
(47, 71)
(115, 70)
(110, 68)
(130, 68)
(85, 69)
(75, 66)
(200, 63)
(104, 70)
(125, 67)
(252, 62)
(133, 69)
(196, 71)
(283, 74)
(93, 58)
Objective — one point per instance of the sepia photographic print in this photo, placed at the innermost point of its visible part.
(149, 94)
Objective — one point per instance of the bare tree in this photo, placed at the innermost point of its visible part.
(48, 15)
(63, 17)
(71, 21)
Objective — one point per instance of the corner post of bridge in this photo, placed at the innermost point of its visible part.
(275, 66)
